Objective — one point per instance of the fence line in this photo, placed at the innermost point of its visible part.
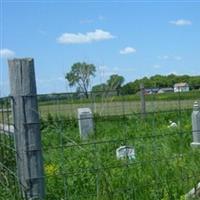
(163, 162)
(9, 185)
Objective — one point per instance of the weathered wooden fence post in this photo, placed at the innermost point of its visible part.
(26, 128)
(196, 125)
(142, 100)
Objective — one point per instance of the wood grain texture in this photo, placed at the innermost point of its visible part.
(26, 127)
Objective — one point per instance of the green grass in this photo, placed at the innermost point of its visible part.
(165, 168)
(116, 105)
(119, 105)
(9, 189)
(109, 108)
(70, 99)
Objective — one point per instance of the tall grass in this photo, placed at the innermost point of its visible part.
(165, 168)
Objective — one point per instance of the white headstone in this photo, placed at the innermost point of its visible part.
(196, 125)
(125, 152)
(85, 122)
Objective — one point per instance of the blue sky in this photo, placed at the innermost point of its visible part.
(130, 38)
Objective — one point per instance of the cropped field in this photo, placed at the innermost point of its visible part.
(106, 105)
(67, 105)
(111, 108)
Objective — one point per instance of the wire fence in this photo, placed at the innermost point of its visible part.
(107, 103)
(162, 165)
(9, 185)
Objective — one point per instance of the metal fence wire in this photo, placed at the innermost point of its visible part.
(163, 166)
(128, 153)
(9, 185)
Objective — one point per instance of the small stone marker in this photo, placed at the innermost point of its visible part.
(194, 192)
(172, 124)
(196, 125)
(85, 122)
(125, 152)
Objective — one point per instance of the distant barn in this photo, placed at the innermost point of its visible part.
(151, 90)
(165, 90)
(181, 87)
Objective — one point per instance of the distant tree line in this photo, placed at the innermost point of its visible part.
(161, 81)
(81, 74)
(114, 82)
(157, 81)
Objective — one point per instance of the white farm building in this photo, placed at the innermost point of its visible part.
(181, 87)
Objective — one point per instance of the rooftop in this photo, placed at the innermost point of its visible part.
(180, 84)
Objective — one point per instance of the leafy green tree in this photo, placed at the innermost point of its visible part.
(99, 88)
(115, 82)
(161, 81)
(80, 76)
(128, 88)
(194, 82)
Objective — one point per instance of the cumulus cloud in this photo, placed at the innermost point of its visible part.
(6, 53)
(80, 38)
(181, 22)
(127, 50)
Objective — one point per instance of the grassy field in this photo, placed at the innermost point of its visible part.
(115, 108)
(9, 189)
(119, 105)
(106, 106)
(165, 168)
(74, 98)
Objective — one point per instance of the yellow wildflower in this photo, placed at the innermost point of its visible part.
(51, 169)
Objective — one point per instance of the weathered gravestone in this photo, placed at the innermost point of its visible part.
(85, 122)
(196, 125)
(125, 152)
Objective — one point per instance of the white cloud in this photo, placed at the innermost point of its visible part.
(127, 50)
(181, 22)
(80, 38)
(6, 53)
